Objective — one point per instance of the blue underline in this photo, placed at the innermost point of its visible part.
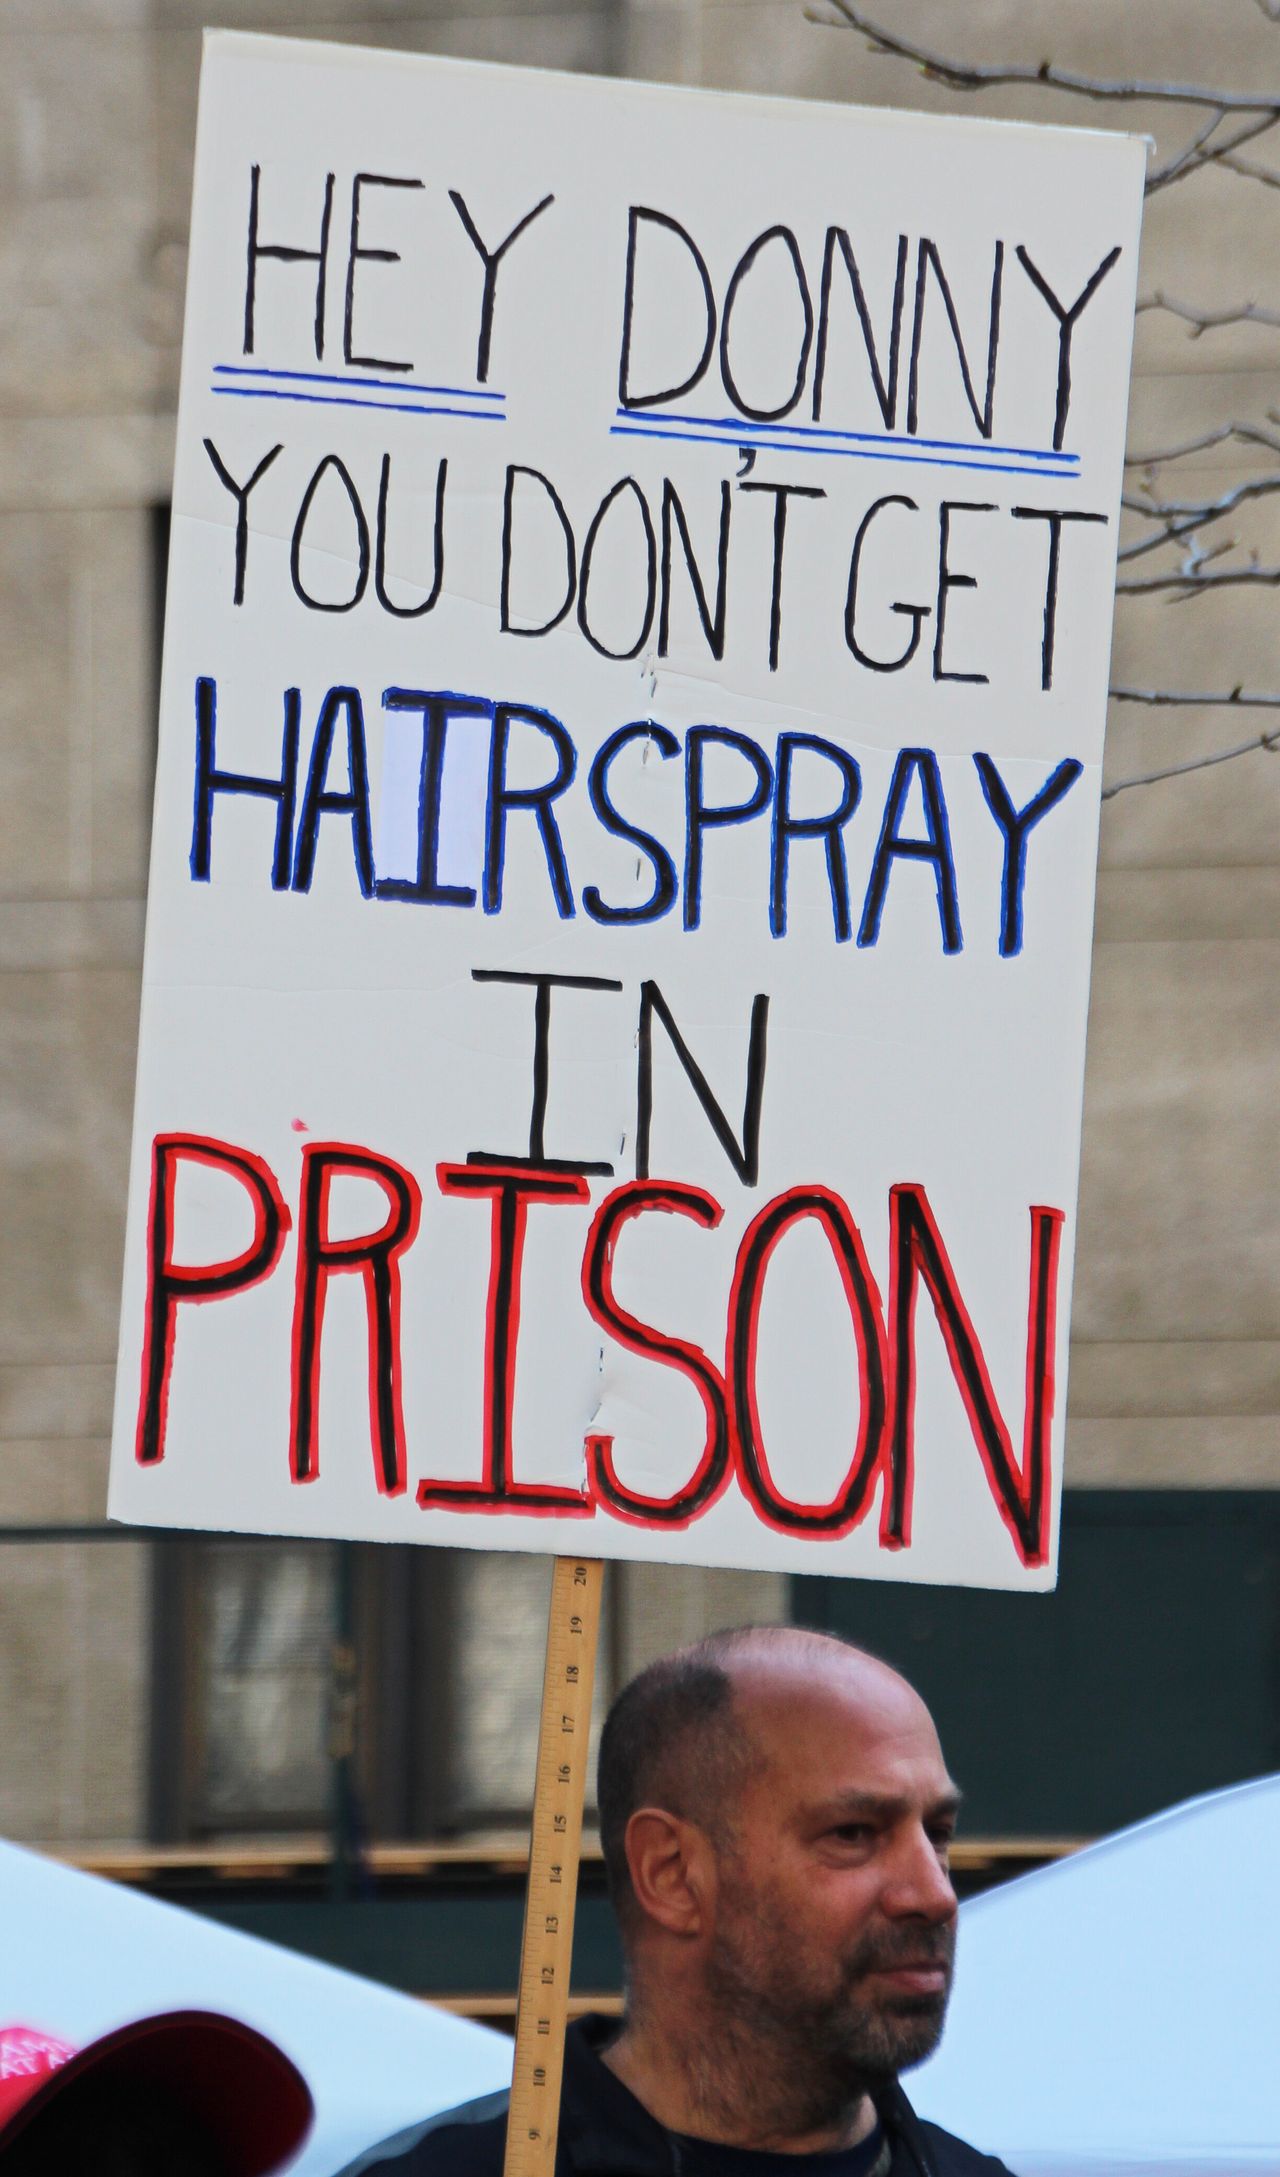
(337, 378)
(743, 428)
(847, 453)
(347, 400)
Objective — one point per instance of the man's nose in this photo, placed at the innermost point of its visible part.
(919, 1885)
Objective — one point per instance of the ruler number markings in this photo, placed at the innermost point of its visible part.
(553, 1868)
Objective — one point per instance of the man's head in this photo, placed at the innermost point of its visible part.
(775, 1815)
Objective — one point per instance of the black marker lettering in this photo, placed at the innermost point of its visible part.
(320, 604)
(781, 494)
(665, 882)
(1055, 517)
(886, 383)
(740, 271)
(289, 256)
(436, 712)
(240, 493)
(743, 1155)
(917, 614)
(712, 619)
(702, 815)
(624, 483)
(508, 535)
(510, 1192)
(542, 987)
(490, 259)
(711, 1474)
(829, 828)
(320, 800)
(626, 398)
(502, 799)
(948, 580)
(1015, 825)
(356, 254)
(927, 259)
(1067, 321)
(935, 848)
(210, 781)
(408, 612)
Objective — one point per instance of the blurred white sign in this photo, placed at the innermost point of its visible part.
(632, 715)
(1169, 2014)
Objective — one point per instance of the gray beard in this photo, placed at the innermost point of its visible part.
(782, 2057)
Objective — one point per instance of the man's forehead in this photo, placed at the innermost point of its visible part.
(785, 1662)
(809, 1693)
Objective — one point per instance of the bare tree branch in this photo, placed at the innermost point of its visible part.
(1246, 434)
(1235, 699)
(1194, 155)
(1230, 120)
(967, 76)
(1173, 533)
(1183, 519)
(1189, 582)
(1268, 741)
(1227, 699)
(1178, 165)
(1202, 510)
(1207, 321)
(1249, 168)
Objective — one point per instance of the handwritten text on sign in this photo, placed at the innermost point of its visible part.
(620, 919)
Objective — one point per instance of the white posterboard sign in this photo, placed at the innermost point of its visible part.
(633, 700)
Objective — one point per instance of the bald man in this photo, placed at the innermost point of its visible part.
(776, 1816)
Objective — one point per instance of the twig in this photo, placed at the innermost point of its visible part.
(1202, 510)
(1268, 741)
(1234, 699)
(1193, 584)
(1194, 156)
(1207, 321)
(1237, 698)
(1182, 519)
(1178, 165)
(1249, 168)
(966, 76)
(1175, 522)
(1248, 434)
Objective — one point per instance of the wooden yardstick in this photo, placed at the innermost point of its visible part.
(554, 1850)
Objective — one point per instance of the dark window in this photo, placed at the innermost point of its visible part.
(1152, 1673)
(258, 1643)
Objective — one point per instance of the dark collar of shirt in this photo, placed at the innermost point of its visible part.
(707, 2158)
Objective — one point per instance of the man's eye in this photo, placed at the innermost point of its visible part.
(854, 1832)
(942, 1836)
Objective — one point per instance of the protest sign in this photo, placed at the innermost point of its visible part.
(632, 712)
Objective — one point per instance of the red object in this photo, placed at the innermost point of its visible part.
(232, 2083)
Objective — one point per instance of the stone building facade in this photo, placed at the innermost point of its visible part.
(1176, 1326)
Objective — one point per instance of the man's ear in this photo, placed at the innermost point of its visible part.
(672, 1870)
